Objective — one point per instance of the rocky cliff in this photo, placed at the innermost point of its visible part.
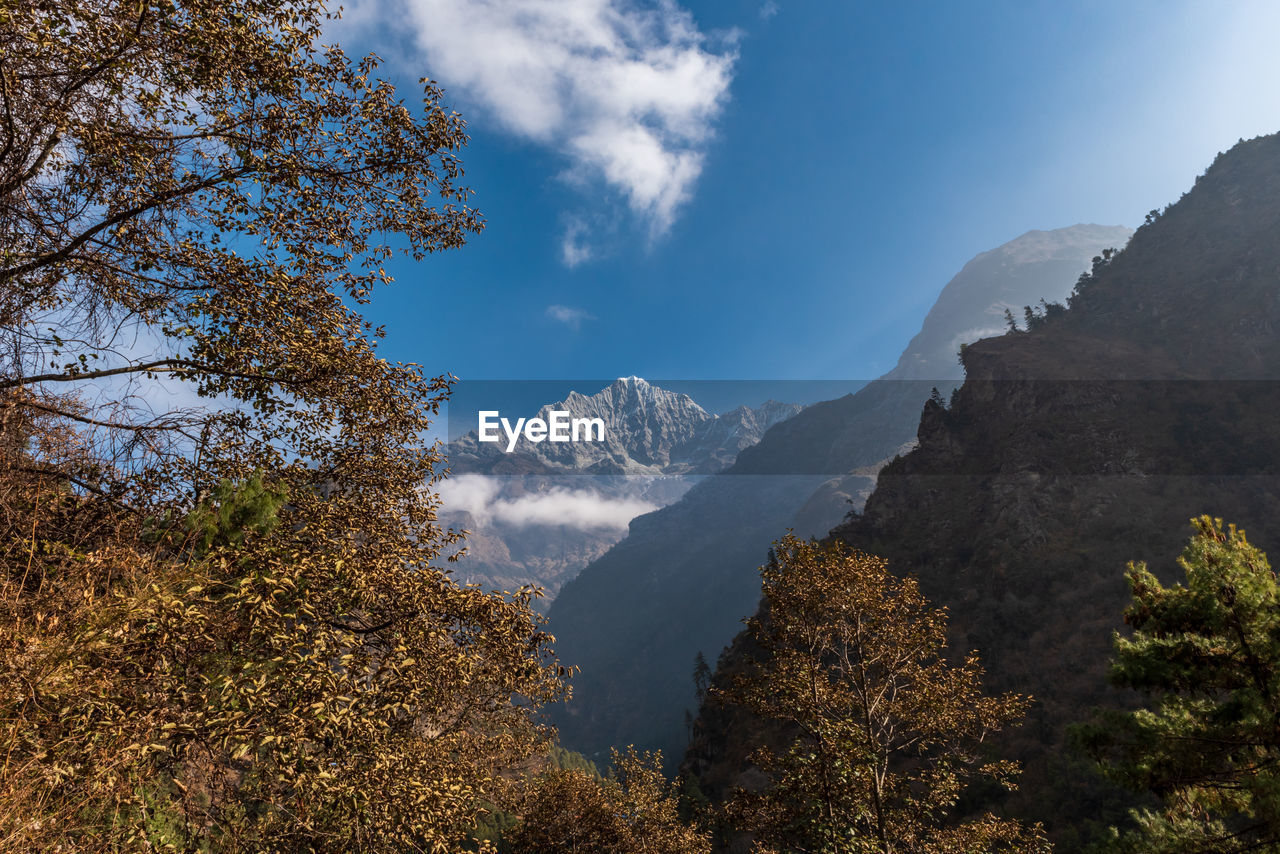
(1074, 446)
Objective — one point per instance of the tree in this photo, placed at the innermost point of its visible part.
(701, 676)
(886, 733)
(1207, 656)
(197, 191)
(221, 624)
(634, 810)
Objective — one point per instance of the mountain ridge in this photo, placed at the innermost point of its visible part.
(1074, 446)
(682, 579)
(542, 513)
(647, 430)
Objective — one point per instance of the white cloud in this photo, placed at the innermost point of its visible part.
(627, 92)
(569, 316)
(977, 333)
(574, 508)
(573, 249)
(768, 10)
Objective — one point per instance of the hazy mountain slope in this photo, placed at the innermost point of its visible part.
(685, 575)
(1073, 448)
(536, 517)
(543, 529)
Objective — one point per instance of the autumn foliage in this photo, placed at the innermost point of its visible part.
(223, 625)
(633, 810)
(887, 731)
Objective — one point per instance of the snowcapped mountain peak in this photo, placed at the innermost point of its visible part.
(648, 430)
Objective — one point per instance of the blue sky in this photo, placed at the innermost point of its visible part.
(742, 189)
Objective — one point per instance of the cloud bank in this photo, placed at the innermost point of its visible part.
(584, 509)
(627, 92)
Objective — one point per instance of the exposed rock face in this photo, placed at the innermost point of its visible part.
(541, 513)
(685, 576)
(1071, 449)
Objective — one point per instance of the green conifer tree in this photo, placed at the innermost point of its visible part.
(1207, 744)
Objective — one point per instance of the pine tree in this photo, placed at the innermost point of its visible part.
(1206, 654)
(701, 676)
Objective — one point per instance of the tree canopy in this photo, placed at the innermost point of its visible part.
(200, 191)
(633, 810)
(223, 621)
(886, 732)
